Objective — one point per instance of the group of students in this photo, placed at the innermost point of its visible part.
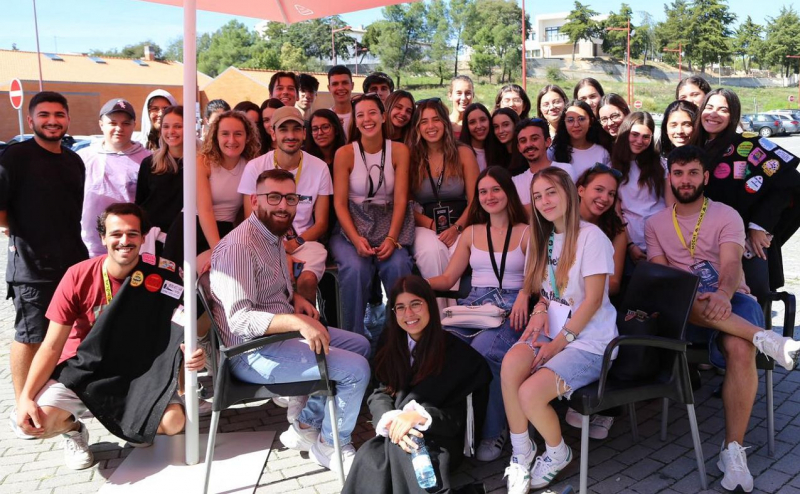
(547, 215)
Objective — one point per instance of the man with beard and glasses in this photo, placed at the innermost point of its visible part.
(707, 238)
(251, 284)
(532, 136)
(315, 187)
(41, 197)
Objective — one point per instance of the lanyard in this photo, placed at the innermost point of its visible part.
(438, 186)
(107, 284)
(553, 282)
(501, 272)
(696, 232)
(372, 189)
(299, 168)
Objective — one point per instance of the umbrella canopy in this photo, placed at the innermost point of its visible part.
(287, 11)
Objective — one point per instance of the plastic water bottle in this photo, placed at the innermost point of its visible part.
(423, 469)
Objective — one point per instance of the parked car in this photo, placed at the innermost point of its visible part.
(765, 124)
(794, 113)
(790, 124)
(745, 125)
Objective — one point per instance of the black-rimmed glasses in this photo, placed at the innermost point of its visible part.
(274, 198)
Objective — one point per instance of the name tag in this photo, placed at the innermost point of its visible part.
(557, 315)
(171, 289)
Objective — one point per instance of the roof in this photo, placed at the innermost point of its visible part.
(82, 68)
(262, 76)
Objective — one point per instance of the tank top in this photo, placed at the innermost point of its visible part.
(480, 155)
(225, 198)
(360, 181)
(483, 273)
(452, 190)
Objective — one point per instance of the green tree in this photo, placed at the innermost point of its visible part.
(460, 11)
(783, 38)
(313, 37)
(644, 41)
(397, 40)
(747, 42)
(174, 51)
(709, 36)
(615, 43)
(293, 58)
(440, 54)
(493, 33)
(674, 30)
(130, 51)
(580, 25)
(230, 45)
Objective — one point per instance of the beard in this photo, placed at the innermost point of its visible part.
(40, 132)
(698, 192)
(277, 226)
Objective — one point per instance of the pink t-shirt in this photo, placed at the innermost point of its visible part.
(721, 224)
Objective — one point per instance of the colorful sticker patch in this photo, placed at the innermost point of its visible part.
(137, 278)
(149, 258)
(171, 289)
(767, 144)
(770, 167)
(757, 156)
(153, 283)
(749, 135)
(754, 184)
(723, 170)
(729, 151)
(166, 264)
(786, 157)
(739, 170)
(179, 317)
(744, 149)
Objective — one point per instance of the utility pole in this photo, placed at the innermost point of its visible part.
(798, 80)
(679, 51)
(628, 30)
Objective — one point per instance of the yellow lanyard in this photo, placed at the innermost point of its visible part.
(299, 168)
(107, 284)
(696, 232)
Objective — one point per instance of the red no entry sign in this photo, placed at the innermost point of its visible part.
(637, 104)
(15, 94)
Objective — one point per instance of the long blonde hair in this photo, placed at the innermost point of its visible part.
(542, 228)
(163, 162)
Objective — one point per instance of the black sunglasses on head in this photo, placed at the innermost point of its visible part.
(599, 167)
(428, 100)
(360, 97)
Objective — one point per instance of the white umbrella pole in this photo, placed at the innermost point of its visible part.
(190, 223)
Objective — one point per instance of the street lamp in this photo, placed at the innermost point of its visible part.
(679, 51)
(333, 43)
(628, 30)
(798, 80)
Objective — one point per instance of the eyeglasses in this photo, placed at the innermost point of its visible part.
(274, 198)
(611, 118)
(415, 307)
(601, 168)
(428, 100)
(321, 129)
(572, 120)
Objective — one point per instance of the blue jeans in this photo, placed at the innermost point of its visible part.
(292, 360)
(355, 278)
(493, 345)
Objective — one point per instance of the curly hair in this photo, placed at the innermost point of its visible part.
(211, 150)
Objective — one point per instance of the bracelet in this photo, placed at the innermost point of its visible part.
(396, 245)
(537, 312)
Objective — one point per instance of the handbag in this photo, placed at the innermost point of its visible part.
(487, 316)
(373, 221)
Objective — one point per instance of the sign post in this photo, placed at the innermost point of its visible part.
(16, 95)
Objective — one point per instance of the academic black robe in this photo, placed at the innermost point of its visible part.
(381, 466)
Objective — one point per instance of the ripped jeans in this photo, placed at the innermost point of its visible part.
(292, 360)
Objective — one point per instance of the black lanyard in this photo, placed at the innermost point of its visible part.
(438, 185)
(498, 273)
(372, 189)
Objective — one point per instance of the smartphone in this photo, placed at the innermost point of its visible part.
(297, 268)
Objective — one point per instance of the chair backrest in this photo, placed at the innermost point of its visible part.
(204, 291)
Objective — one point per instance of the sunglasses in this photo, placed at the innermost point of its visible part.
(601, 168)
(360, 97)
(428, 100)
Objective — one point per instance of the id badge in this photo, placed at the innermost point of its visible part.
(492, 297)
(441, 216)
(557, 316)
(709, 278)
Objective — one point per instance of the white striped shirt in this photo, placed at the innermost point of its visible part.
(249, 281)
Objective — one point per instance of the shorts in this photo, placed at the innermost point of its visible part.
(31, 302)
(314, 256)
(574, 367)
(56, 395)
(743, 306)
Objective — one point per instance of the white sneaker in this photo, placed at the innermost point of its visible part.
(299, 439)
(491, 449)
(296, 404)
(324, 454)
(782, 349)
(733, 463)
(281, 401)
(77, 454)
(599, 425)
(12, 421)
(545, 469)
(518, 473)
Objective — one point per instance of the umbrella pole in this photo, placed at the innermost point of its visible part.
(190, 223)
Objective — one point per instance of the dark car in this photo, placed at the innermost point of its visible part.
(765, 125)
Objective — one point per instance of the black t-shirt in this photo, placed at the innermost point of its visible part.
(161, 196)
(42, 193)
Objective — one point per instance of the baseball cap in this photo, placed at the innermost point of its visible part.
(285, 114)
(118, 105)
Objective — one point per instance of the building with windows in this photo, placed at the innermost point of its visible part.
(547, 40)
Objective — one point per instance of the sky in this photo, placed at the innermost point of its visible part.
(79, 26)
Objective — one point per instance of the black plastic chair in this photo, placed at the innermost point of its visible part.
(698, 354)
(228, 390)
(669, 292)
(464, 287)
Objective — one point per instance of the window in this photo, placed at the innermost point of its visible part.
(97, 60)
(140, 63)
(552, 34)
(54, 57)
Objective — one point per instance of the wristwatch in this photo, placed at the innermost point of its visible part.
(459, 228)
(569, 335)
(300, 240)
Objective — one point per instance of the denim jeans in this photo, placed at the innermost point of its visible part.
(355, 278)
(292, 360)
(493, 345)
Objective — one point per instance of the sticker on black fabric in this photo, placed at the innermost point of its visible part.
(709, 278)
(492, 297)
(171, 289)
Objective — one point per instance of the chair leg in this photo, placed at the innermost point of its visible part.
(770, 414)
(698, 450)
(337, 446)
(664, 418)
(634, 424)
(212, 438)
(584, 454)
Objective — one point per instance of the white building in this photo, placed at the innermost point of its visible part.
(547, 40)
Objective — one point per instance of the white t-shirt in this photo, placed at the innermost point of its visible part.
(480, 156)
(638, 203)
(594, 255)
(523, 181)
(315, 180)
(344, 118)
(583, 159)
